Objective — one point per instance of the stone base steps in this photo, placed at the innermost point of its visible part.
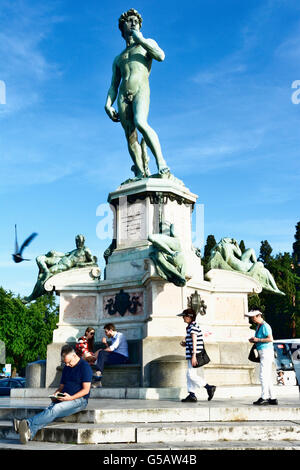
(173, 414)
(146, 433)
(143, 452)
(162, 424)
(166, 393)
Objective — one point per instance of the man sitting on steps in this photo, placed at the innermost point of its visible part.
(70, 397)
(115, 353)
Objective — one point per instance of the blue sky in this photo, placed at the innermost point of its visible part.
(220, 103)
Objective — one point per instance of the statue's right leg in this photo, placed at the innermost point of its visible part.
(141, 109)
(134, 148)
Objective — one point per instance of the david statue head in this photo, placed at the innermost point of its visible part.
(129, 21)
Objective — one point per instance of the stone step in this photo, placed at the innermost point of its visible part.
(85, 433)
(166, 393)
(153, 448)
(199, 412)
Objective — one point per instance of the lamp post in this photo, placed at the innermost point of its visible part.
(196, 303)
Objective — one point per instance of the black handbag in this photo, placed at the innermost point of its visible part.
(202, 358)
(253, 354)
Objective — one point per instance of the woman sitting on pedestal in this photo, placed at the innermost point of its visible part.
(85, 345)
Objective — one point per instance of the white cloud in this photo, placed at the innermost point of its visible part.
(220, 73)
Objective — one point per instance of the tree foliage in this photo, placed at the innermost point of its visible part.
(280, 311)
(265, 253)
(26, 330)
(296, 250)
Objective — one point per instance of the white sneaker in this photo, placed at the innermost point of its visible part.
(24, 432)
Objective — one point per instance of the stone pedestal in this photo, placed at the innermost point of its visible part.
(36, 374)
(143, 305)
(167, 371)
(139, 209)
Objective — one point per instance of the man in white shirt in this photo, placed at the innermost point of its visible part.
(114, 353)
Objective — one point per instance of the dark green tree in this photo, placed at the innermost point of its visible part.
(26, 330)
(265, 253)
(255, 302)
(296, 250)
(282, 311)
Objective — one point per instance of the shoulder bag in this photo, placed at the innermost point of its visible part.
(202, 357)
(253, 354)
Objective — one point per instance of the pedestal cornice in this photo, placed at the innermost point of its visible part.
(153, 188)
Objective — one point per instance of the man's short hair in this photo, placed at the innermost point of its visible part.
(125, 15)
(66, 349)
(109, 326)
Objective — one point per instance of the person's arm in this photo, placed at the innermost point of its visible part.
(107, 348)
(115, 344)
(194, 351)
(267, 339)
(153, 49)
(62, 383)
(84, 391)
(113, 93)
(60, 389)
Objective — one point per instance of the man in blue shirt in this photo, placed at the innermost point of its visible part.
(114, 353)
(263, 339)
(70, 397)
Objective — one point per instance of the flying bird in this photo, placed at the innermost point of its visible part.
(17, 256)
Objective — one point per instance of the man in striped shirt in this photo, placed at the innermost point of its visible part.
(194, 344)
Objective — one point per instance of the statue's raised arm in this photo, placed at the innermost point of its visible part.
(152, 48)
